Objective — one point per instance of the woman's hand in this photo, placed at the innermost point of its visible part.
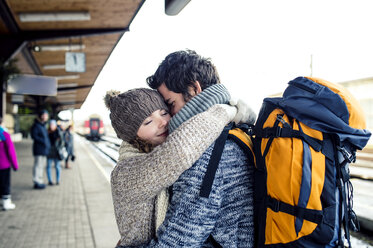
(244, 112)
(230, 110)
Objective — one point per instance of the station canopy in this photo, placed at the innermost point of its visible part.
(69, 40)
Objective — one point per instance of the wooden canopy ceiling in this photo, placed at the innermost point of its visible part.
(96, 37)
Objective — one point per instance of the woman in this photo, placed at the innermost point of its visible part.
(69, 145)
(8, 159)
(56, 140)
(150, 160)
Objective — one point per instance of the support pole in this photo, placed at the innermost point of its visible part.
(2, 100)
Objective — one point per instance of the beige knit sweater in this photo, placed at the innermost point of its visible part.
(139, 180)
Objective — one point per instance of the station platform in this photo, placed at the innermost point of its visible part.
(76, 213)
(79, 211)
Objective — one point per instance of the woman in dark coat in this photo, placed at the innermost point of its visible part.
(56, 140)
(69, 144)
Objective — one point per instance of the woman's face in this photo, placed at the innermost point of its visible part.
(52, 126)
(154, 129)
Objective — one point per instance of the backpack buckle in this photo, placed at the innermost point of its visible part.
(278, 131)
(349, 156)
(274, 204)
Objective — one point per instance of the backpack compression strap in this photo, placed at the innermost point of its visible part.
(344, 156)
(288, 132)
(315, 216)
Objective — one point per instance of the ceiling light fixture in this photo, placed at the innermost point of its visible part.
(54, 16)
(67, 77)
(173, 7)
(56, 48)
(67, 85)
(53, 67)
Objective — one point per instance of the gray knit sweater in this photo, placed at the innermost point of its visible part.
(138, 178)
(227, 215)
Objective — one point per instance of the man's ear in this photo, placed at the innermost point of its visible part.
(197, 87)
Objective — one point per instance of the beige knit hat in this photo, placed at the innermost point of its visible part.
(129, 109)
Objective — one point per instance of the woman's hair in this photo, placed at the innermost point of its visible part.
(180, 70)
(142, 145)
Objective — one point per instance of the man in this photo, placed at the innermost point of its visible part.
(40, 148)
(190, 84)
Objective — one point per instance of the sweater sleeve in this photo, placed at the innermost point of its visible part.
(226, 215)
(141, 177)
(11, 151)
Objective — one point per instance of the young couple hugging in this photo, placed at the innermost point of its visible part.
(168, 135)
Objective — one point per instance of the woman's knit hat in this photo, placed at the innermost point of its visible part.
(53, 122)
(129, 109)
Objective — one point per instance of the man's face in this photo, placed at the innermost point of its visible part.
(44, 117)
(175, 101)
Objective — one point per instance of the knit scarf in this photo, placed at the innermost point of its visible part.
(127, 150)
(215, 94)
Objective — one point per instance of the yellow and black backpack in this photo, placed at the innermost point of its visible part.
(303, 143)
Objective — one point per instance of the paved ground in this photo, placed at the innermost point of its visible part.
(76, 213)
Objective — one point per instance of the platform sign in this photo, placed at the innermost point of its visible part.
(17, 99)
(33, 85)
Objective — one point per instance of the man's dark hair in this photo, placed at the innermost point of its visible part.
(41, 112)
(179, 70)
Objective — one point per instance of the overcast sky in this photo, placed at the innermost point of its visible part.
(257, 46)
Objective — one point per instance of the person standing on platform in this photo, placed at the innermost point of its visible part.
(56, 141)
(69, 144)
(8, 159)
(40, 148)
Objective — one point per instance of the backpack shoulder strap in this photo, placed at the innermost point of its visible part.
(237, 135)
(217, 151)
(244, 141)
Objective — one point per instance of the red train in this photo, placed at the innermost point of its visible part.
(94, 128)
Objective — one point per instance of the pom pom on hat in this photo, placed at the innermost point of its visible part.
(109, 97)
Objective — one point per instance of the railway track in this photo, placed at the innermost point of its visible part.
(107, 145)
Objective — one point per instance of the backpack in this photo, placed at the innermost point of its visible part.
(302, 144)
